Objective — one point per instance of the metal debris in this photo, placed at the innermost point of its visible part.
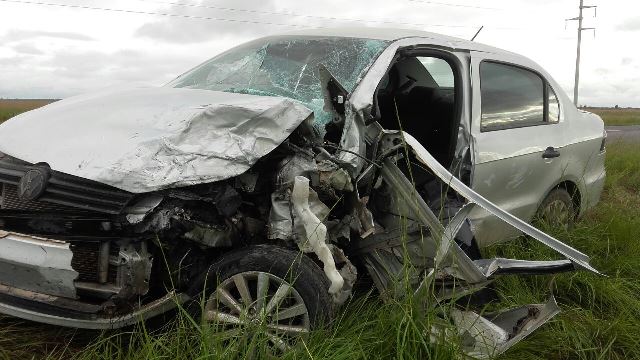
(315, 232)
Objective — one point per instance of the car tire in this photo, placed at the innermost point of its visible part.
(557, 210)
(279, 268)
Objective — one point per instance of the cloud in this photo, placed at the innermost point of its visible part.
(224, 19)
(229, 19)
(27, 49)
(46, 52)
(122, 66)
(19, 35)
(631, 24)
(10, 61)
(67, 73)
(608, 94)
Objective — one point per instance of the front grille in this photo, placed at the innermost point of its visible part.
(85, 261)
(11, 201)
(62, 190)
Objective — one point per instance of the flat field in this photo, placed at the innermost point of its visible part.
(613, 116)
(12, 107)
(600, 316)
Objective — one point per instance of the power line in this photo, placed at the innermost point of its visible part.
(299, 15)
(84, 7)
(197, 17)
(454, 5)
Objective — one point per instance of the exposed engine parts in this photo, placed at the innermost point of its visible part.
(123, 268)
(315, 232)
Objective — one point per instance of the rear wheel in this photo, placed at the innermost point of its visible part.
(557, 210)
(268, 292)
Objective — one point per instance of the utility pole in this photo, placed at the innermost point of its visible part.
(580, 30)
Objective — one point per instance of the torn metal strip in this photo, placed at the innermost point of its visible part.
(423, 155)
(500, 266)
(460, 262)
(450, 232)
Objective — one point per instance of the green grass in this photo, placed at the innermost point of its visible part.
(618, 116)
(600, 318)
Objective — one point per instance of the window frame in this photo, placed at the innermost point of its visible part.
(425, 50)
(545, 94)
(457, 67)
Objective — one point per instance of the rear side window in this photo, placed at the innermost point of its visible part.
(440, 71)
(511, 97)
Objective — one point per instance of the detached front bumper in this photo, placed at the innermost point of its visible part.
(37, 264)
(38, 282)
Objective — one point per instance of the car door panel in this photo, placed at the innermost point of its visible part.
(509, 167)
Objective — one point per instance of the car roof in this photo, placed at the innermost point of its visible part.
(392, 34)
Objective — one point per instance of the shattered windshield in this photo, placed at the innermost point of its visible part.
(286, 66)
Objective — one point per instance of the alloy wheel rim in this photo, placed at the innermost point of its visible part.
(256, 301)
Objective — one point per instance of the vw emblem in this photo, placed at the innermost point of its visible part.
(33, 184)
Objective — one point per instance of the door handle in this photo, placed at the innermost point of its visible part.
(550, 153)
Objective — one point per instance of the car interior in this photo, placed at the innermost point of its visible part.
(422, 103)
(418, 95)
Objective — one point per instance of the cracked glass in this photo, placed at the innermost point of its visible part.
(286, 66)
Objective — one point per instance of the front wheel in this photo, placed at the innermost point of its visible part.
(267, 290)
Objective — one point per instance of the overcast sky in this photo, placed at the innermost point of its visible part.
(56, 52)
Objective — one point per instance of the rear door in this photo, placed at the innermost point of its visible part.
(517, 143)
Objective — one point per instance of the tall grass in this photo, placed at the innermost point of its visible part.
(367, 330)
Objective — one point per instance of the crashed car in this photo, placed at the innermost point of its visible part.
(269, 179)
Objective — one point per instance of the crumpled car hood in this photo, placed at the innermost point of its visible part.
(146, 139)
